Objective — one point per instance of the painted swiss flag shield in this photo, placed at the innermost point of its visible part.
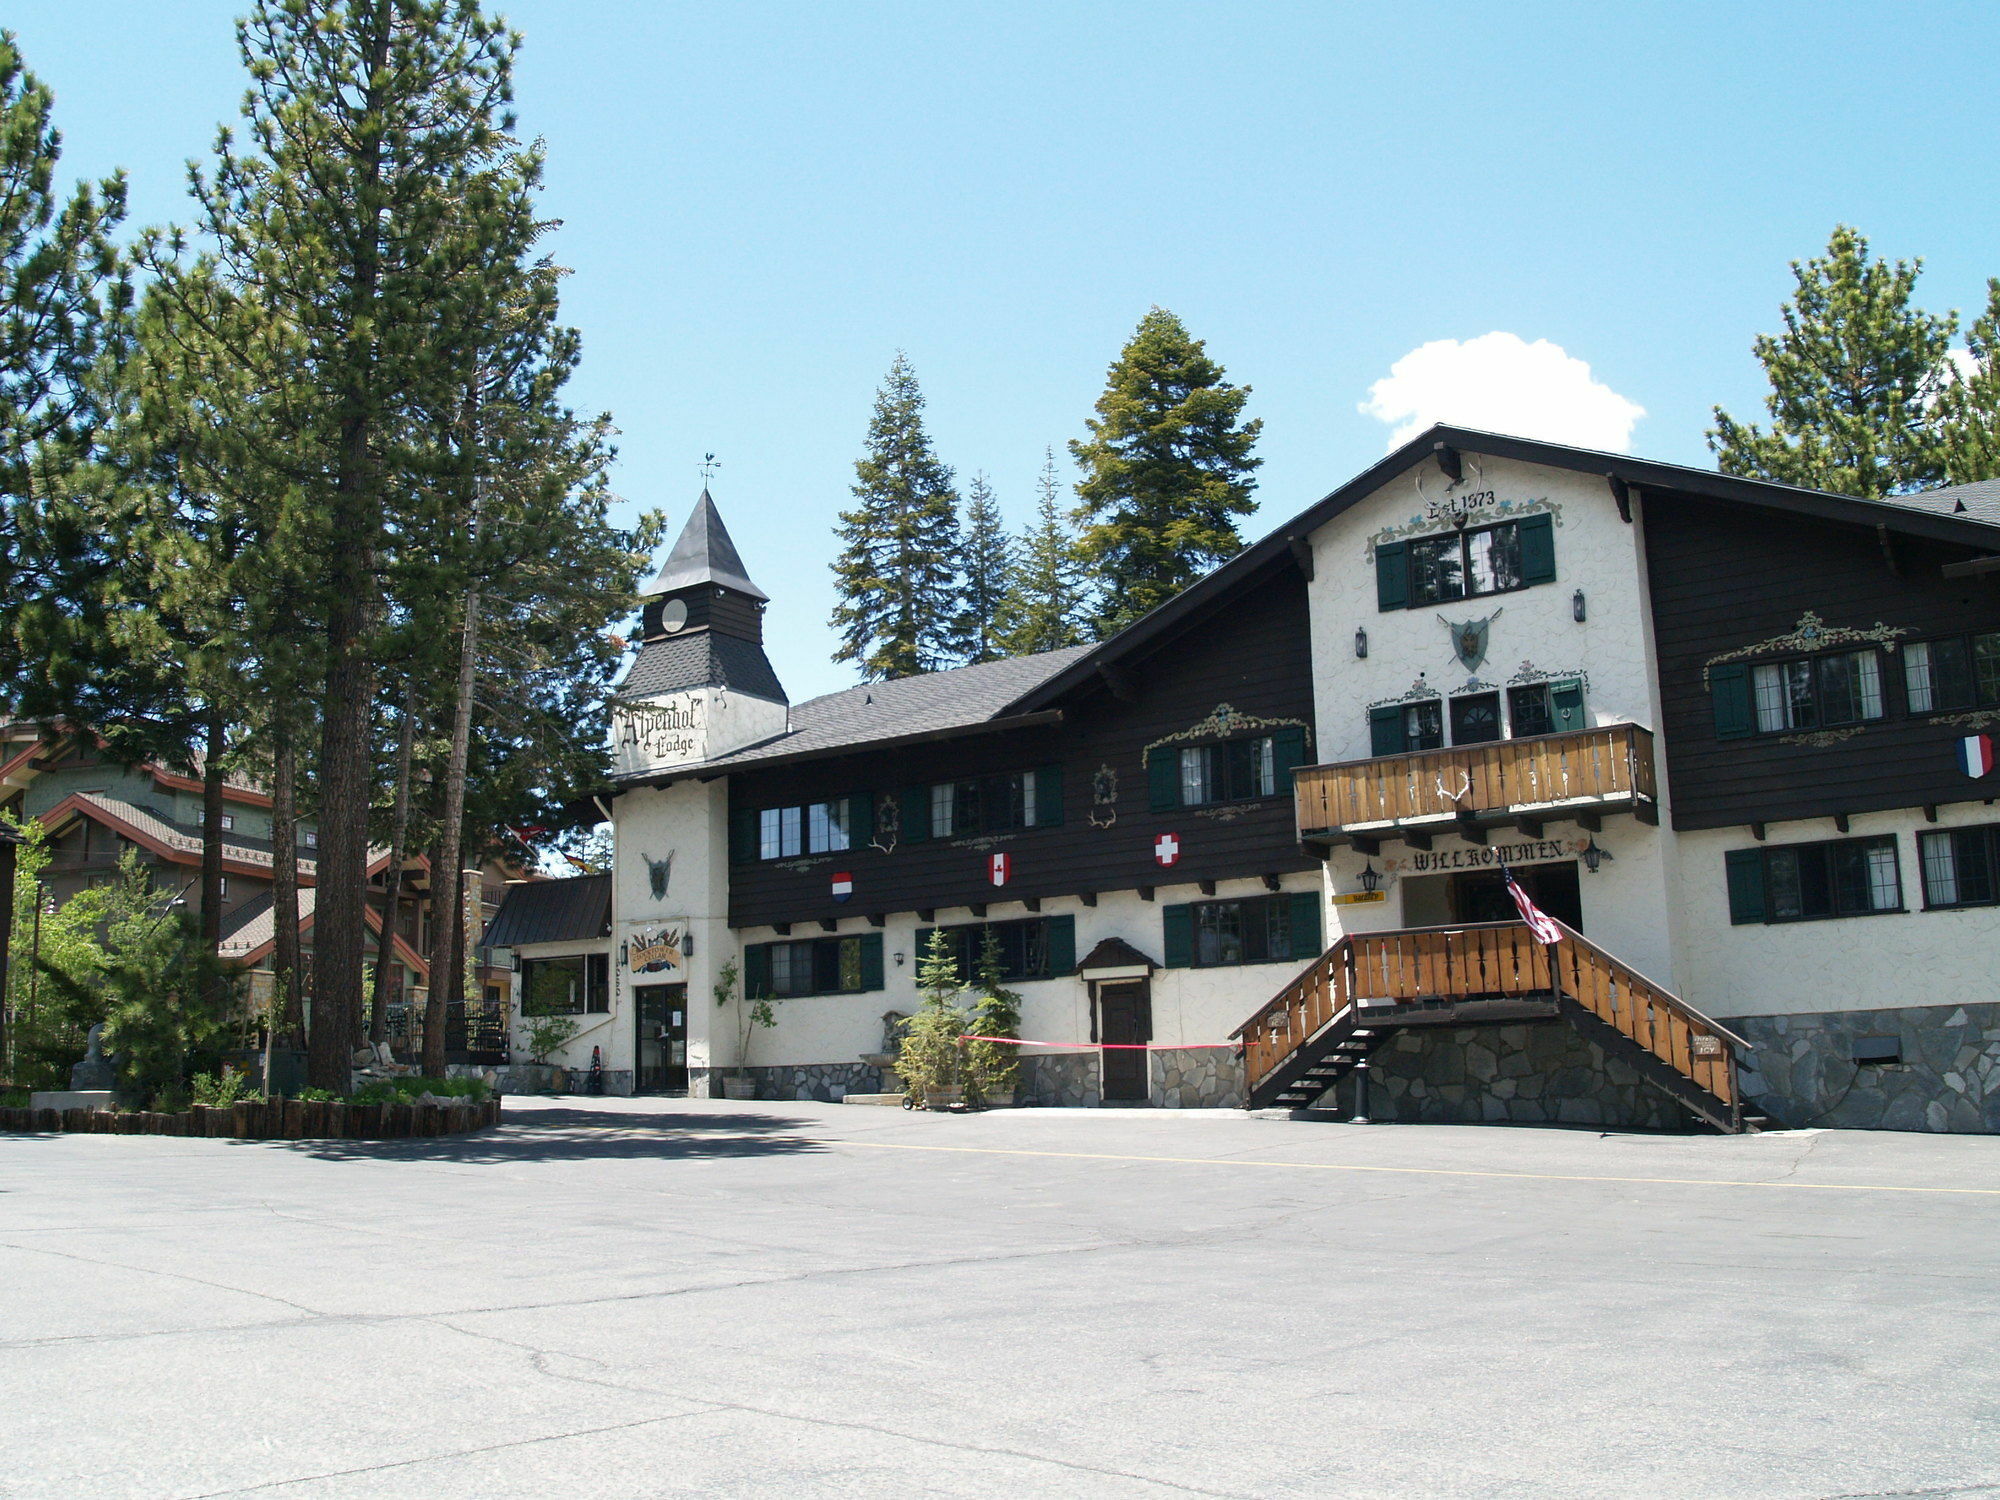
(1167, 850)
(1000, 868)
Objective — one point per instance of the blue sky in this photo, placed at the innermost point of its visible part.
(763, 202)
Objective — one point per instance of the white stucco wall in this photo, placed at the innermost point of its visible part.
(687, 822)
(1878, 962)
(609, 1031)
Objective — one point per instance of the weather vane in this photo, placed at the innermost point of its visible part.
(709, 464)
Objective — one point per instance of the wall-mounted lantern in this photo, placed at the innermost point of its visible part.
(1360, 641)
(687, 943)
(623, 954)
(1576, 607)
(1592, 855)
(1371, 879)
(899, 960)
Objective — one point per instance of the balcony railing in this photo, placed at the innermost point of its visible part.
(1581, 775)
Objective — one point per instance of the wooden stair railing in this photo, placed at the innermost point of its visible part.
(1677, 1048)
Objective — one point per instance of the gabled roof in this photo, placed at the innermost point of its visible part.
(1978, 501)
(577, 909)
(704, 554)
(169, 841)
(1115, 953)
(249, 933)
(1211, 590)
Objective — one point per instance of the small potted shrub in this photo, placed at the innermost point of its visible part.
(932, 1060)
(737, 1083)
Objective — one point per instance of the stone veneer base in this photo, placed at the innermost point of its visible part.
(1803, 1070)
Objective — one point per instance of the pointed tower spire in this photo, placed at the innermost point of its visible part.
(704, 554)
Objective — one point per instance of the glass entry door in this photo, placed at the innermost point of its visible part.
(662, 1051)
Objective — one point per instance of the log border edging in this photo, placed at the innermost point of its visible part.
(266, 1120)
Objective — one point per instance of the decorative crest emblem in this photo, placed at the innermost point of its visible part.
(1469, 637)
(659, 874)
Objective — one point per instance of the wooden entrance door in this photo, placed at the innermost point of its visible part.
(661, 1056)
(1481, 895)
(1122, 1016)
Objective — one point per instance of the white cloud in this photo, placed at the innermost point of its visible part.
(1501, 383)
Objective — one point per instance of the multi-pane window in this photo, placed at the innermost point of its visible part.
(1233, 772)
(1038, 948)
(1253, 930)
(1475, 718)
(1537, 708)
(573, 985)
(1466, 563)
(780, 832)
(1961, 866)
(816, 828)
(1961, 671)
(827, 829)
(1817, 692)
(993, 804)
(1401, 727)
(813, 966)
(1806, 882)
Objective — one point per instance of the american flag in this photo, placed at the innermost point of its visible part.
(1540, 923)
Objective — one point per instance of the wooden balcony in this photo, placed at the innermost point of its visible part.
(1580, 776)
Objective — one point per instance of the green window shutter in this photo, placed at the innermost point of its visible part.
(1049, 797)
(1288, 752)
(1566, 705)
(1177, 935)
(1392, 575)
(1538, 548)
(1306, 940)
(1061, 946)
(871, 961)
(1163, 777)
(757, 971)
(1385, 731)
(1745, 869)
(860, 820)
(743, 835)
(916, 814)
(1729, 691)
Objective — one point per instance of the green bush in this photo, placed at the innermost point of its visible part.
(992, 1069)
(932, 1056)
(213, 1091)
(402, 1090)
(318, 1096)
(14, 1098)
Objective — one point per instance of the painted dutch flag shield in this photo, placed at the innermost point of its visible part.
(1975, 754)
(1001, 867)
(843, 886)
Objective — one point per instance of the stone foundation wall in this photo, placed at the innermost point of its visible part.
(1061, 1080)
(827, 1082)
(1803, 1070)
(1197, 1078)
(1540, 1073)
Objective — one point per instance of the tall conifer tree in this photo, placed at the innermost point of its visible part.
(1167, 470)
(1854, 379)
(1969, 411)
(1044, 607)
(989, 567)
(901, 607)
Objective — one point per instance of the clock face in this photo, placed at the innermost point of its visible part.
(673, 615)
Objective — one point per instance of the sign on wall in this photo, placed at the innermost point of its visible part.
(667, 731)
(1481, 857)
(657, 950)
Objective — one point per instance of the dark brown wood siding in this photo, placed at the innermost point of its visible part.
(1724, 577)
(1256, 658)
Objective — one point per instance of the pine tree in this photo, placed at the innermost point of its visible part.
(901, 607)
(1854, 377)
(1167, 469)
(989, 566)
(1044, 605)
(1968, 413)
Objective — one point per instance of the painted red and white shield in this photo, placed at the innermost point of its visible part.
(843, 886)
(1000, 868)
(1167, 850)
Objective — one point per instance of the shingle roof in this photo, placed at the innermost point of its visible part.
(701, 658)
(704, 554)
(1978, 501)
(877, 711)
(551, 911)
(177, 840)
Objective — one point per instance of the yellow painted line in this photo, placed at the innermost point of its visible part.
(1327, 1166)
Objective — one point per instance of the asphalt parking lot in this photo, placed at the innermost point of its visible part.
(662, 1297)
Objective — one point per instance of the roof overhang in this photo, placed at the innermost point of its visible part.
(710, 770)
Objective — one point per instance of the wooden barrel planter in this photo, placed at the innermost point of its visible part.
(266, 1120)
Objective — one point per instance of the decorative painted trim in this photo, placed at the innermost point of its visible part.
(1418, 689)
(1222, 722)
(888, 823)
(1529, 672)
(1813, 634)
(812, 862)
(1984, 718)
(1421, 525)
(1227, 813)
(981, 842)
(1104, 796)
(1820, 739)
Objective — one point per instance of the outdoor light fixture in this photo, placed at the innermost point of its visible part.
(623, 955)
(899, 960)
(1371, 880)
(1576, 606)
(1592, 855)
(1360, 641)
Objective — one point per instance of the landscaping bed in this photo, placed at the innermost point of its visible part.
(268, 1120)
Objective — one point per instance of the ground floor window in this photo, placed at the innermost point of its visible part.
(1808, 882)
(576, 984)
(1037, 948)
(813, 966)
(1253, 930)
(1960, 865)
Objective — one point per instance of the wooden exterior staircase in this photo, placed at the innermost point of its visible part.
(1348, 1000)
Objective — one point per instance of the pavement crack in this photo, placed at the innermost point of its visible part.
(119, 1265)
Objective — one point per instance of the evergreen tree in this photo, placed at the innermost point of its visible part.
(1167, 469)
(1044, 606)
(1854, 378)
(989, 566)
(1969, 410)
(901, 607)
